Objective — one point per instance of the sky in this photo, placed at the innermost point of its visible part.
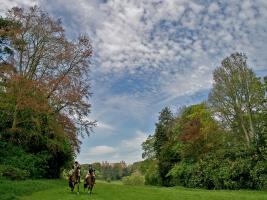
(149, 54)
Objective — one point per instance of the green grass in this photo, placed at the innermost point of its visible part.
(58, 190)
(13, 189)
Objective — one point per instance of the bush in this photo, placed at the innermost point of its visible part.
(40, 164)
(239, 170)
(17, 158)
(134, 179)
(259, 175)
(13, 173)
(152, 176)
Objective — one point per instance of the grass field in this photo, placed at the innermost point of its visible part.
(58, 190)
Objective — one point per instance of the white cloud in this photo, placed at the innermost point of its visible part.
(105, 126)
(8, 4)
(134, 144)
(129, 150)
(101, 150)
(213, 7)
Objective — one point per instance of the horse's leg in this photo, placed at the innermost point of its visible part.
(73, 190)
(88, 188)
(91, 188)
(89, 185)
(72, 186)
(78, 188)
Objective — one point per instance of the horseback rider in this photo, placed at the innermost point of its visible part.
(91, 172)
(75, 176)
(89, 180)
(77, 168)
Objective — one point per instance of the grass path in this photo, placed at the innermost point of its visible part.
(58, 190)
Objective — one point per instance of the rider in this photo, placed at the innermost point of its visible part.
(77, 167)
(91, 172)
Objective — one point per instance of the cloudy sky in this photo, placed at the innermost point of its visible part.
(153, 53)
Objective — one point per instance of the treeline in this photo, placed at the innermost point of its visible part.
(119, 171)
(108, 171)
(44, 94)
(217, 144)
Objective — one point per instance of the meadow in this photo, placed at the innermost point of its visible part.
(58, 190)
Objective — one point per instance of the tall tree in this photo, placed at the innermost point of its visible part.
(162, 152)
(44, 90)
(237, 97)
(59, 68)
(162, 127)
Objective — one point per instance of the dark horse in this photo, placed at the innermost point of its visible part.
(89, 182)
(74, 179)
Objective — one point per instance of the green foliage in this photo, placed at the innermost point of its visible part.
(13, 173)
(219, 145)
(148, 148)
(199, 133)
(152, 176)
(37, 131)
(234, 169)
(108, 171)
(237, 98)
(161, 137)
(134, 179)
(40, 164)
(162, 150)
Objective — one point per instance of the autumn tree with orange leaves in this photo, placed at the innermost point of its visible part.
(44, 84)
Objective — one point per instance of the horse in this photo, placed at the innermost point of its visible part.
(74, 179)
(89, 182)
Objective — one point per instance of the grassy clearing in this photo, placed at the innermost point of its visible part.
(58, 190)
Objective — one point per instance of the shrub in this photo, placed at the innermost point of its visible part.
(134, 179)
(13, 173)
(259, 175)
(239, 170)
(152, 176)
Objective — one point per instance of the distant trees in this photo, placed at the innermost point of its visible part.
(219, 144)
(109, 171)
(44, 88)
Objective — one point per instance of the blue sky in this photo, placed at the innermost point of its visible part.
(153, 53)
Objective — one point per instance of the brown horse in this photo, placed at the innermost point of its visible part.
(74, 179)
(89, 182)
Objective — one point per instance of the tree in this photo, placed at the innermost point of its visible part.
(148, 148)
(237, 97)
(199, 134)
(44, 89)
(44, 59)
(162, 151)
(162, 126)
